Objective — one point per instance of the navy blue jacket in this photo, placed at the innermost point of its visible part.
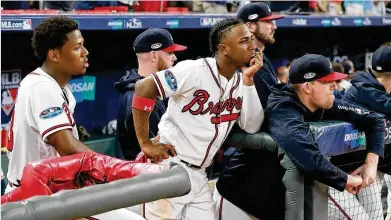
(264, 79)
(369, 93)
(285, 111)
(126, 134)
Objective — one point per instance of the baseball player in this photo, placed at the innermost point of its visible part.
(49, 176)
(309, 97)
(371, 90)
(42, 124)
(206, 97)
(242, 183)
(155, 52)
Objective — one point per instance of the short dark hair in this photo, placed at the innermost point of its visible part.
(51, 33)
(219, 31)
(337, 67)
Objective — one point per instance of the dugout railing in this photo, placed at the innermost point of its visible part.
(305, 199)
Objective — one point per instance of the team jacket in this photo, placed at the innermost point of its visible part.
(126, 134)
(287, 120)
(369, 93)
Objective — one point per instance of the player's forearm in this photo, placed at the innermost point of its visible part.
(141, 125)
(65, 144)
(145, 88)
(252, 114)
(372, 159)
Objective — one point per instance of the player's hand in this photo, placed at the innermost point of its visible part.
(368, 173)
(353, 183)
(156, 151)
(256, 64)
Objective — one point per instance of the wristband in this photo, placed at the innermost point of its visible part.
(143, 104)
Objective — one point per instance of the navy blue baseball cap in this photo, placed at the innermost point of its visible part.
(313, 67)
(154, 39)
(257, 11)
(381, 59)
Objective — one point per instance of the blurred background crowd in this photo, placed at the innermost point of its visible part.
(331, 7)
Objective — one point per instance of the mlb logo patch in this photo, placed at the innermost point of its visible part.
(8, 99)
(171, 80)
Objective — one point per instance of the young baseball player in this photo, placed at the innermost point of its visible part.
(206, 97)
(42, 124)
(242, 185)
(309, 97)
(372, 90)
(152, 57)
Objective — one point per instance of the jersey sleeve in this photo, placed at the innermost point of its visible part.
(176, 80)
(49, 109)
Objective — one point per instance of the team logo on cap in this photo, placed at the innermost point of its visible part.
(156, 46)
(309, 75)
(269, 9)
(379, 68)
(253, 16)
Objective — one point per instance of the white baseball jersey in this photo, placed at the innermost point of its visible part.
(199, 116)
(41, 109)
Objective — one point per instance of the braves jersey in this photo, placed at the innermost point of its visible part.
(202, 108)
(42, 108)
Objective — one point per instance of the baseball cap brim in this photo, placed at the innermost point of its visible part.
(334, 76)
(174, 48)
(271, 17)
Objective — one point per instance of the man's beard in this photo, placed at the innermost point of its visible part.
(161, 65)
(264, 38)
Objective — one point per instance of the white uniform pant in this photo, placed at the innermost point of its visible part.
(225, 210)
(195, 205)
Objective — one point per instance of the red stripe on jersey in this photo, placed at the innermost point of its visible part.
(213, 74)
(91, 218)
(224, 118)
(210, 144)
(55, 127)
(159, 85)
(221, 209)
(230, 96)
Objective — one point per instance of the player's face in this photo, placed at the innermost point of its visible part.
(322, 94)
(264, 31)
(165, 60)
(240, 45)
(73, 55)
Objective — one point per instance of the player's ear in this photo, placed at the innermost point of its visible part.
(307, 87)
(53, 55)
(251, 26)
(153, 56)
(222, 49)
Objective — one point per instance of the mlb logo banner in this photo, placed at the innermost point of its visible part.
(83, 88)
(10, 80)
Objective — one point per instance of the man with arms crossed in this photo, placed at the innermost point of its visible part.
(206, 97)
